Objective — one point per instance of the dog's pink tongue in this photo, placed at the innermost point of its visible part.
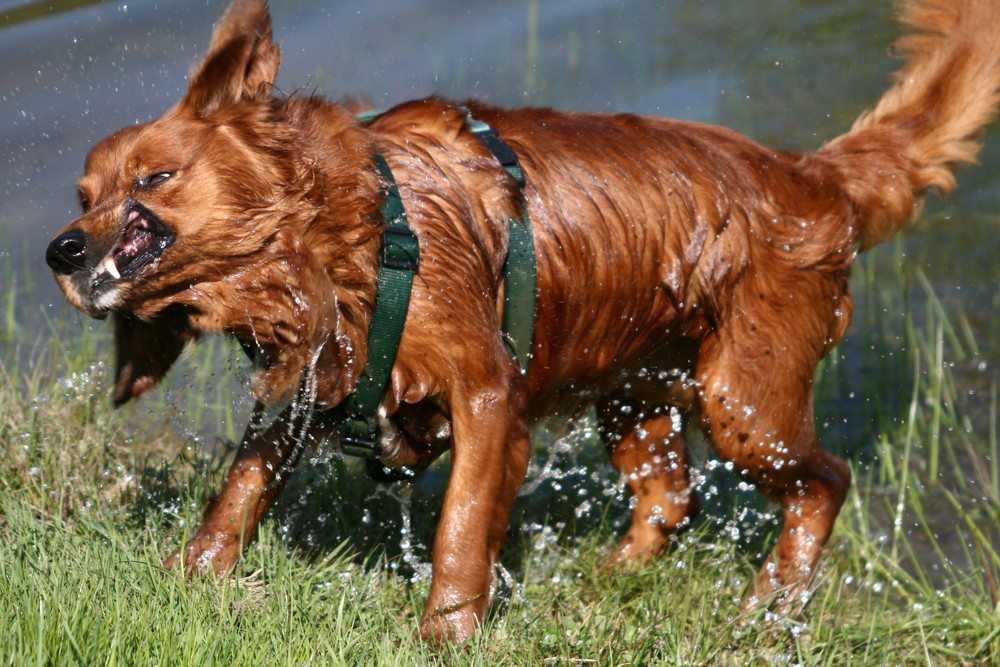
(138, 242)
(138, 238)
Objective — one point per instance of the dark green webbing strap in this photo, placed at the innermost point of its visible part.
(519, 275)
(357, 416)
(398, 261)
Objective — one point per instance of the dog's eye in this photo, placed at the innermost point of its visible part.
(154, 180)
(84, 201)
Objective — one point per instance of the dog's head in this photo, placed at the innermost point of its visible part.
(206, 220)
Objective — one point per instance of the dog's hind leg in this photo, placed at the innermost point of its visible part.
(756, 399)
(263, 464)
(646, 445)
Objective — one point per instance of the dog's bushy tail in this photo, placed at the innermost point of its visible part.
(926, 125)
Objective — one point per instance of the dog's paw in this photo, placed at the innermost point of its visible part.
(216, 554)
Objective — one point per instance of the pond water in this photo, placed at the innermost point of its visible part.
(789, 73)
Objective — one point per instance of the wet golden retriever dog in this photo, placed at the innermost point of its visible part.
(682, 272)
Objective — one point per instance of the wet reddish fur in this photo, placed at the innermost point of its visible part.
(682, 269)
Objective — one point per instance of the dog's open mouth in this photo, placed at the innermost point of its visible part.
(144, 239)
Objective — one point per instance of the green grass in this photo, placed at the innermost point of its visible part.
(92, 499)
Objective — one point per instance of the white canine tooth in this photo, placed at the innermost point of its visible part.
(108, 264)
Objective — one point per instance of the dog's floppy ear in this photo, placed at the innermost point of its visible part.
(145, 351)
(241, 64)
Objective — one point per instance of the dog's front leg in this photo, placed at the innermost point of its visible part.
(489, 461)
(263, 464)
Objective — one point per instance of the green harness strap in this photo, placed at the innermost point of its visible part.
(399, 260)
(357, 416)
(519, 271)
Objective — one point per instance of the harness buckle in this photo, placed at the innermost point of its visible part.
(359, 438)
(400, 248)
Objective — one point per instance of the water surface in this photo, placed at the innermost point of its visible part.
(790, 74)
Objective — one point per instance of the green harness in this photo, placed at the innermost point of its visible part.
(399, 260)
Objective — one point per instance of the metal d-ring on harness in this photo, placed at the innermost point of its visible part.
(399, 259)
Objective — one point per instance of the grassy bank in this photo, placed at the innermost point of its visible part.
(92, 499)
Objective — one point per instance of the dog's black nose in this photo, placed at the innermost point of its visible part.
(66, 252)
